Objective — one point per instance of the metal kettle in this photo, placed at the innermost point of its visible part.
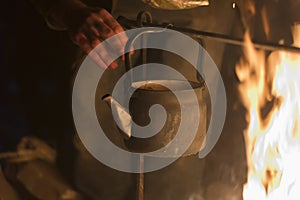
(152, 92)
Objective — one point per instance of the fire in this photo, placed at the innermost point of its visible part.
(270, 91)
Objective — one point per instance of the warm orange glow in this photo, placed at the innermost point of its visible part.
(270, 91)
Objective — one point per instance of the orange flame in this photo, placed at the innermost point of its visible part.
(273, 139)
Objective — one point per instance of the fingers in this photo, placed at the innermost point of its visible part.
(100, 57)
(102, 28)
(114, 25)
(82, 41)
(97, 28)
(106, 31)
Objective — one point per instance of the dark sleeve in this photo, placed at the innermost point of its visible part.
(54, 11)
(107, 4)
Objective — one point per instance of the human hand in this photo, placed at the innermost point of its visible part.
(97, 27)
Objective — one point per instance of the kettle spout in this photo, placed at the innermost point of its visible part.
(107, 98)
(120, 114)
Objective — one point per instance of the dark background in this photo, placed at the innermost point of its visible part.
(36, 69)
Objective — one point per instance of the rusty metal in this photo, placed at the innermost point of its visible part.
(144, 16)
(140, 181)
(197, 34)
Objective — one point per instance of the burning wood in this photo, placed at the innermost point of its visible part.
(272, 141)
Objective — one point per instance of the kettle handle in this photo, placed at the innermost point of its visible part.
(128, 59)
(143, 14)
(201, 58)
(128, 46)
